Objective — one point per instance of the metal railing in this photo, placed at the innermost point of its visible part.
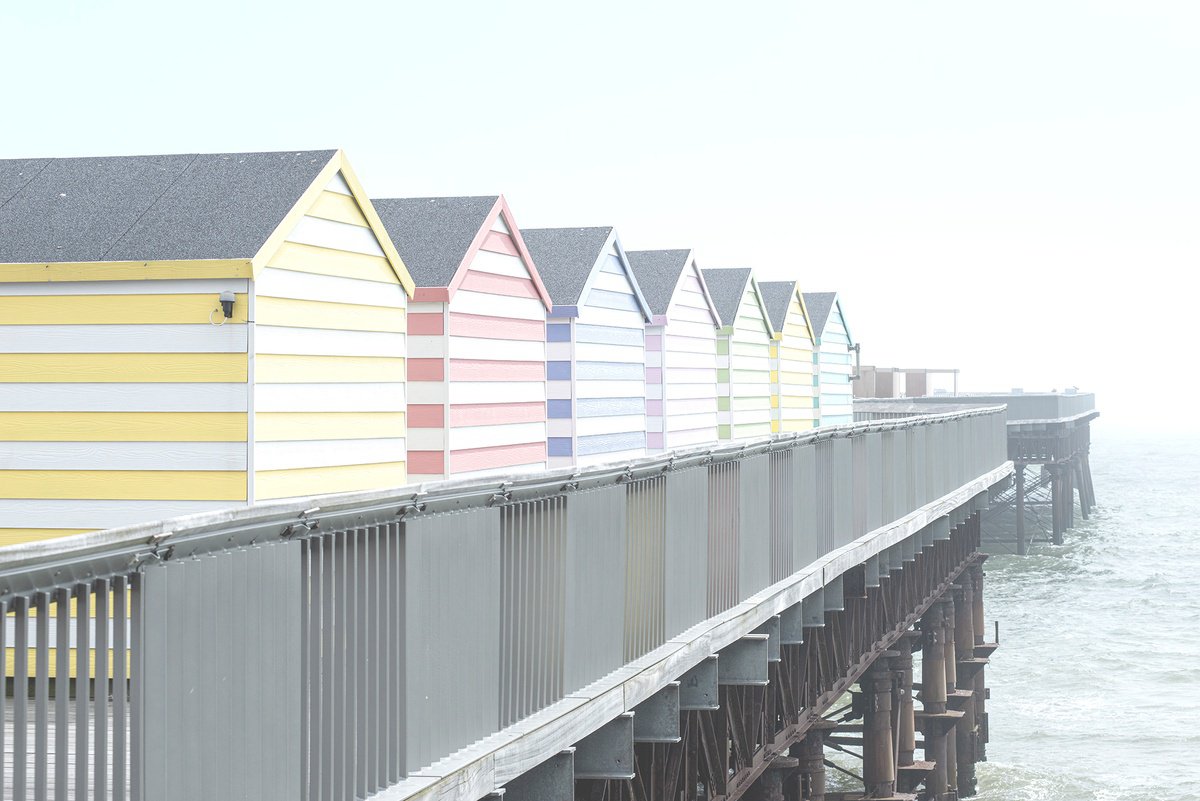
(328, 649)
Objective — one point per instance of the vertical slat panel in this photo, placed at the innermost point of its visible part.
(724, 516)
(686, 548)
(5, 609)
(452, 631)
(306, 660)
(20, 699)
(532, 592)
(62, 694)
(806, 539)
(120, 688)
(594, 602)
(843, 492)
(858, 462)
(41, 695)
(400, 676)
(783, 501)
(328, 673)
(824, 513)
(137, 708)
(100, 694)
(753, 492)
(644, 566)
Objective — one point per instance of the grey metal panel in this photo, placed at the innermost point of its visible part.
(843, 493)
(595, 599)
(791, 625)
(783, 514)
(698, 689)
(645, 565)
(656, 720)
(862, 488)
(607, 753)
(918, 495)
(835, 596)
(532, 599)
(553, 780)
(754, 530)
(771, 628)
(724, 521)
(452, 631)
(686, 548)
(744, 662)
(806, 546)
(183, 739)
(814, 609)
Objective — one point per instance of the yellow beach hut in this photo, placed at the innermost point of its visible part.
(792, 386)
(183, 333)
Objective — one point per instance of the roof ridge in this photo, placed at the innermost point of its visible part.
(31, 180)
(151, 205)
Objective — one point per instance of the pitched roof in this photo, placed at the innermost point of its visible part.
(726, 286)
(433, 234)
(564, 258)
(777, 297)
(657, 273)
(819, 304)
(149, 208)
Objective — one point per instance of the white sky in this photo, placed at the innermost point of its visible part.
(1009, 188)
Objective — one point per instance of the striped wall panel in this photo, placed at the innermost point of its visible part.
(120, 402)
(329, 359)
(836, 365)
(477, 372)
(596, 372)
(744, 372)
(681, 370)
(792, 374)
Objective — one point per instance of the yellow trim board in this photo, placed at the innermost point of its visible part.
(11, 273)
(320, 480)
(123, 368)
(335, 316)
(119, 427)
(283, 369)
(125, 485)
(283, 426)
(368, 210)
(117, 310)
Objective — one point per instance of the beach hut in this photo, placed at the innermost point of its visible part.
(595, 346)
(681, 349)
(477, 338)
(191, 332)
(793, 406)
(832, 361)
(744, 353)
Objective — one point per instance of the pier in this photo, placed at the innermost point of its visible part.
(1049, 444)
(676, 626)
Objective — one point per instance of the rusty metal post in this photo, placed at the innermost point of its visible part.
(879, 753)
(980, 685)
(1022, 545)
(1081, 487)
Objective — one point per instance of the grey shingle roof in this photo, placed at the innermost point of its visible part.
(657, 273)
(433, 234)
(726, 287)
(777, 297)
(149, 208)
(819, 304)
(564, 258)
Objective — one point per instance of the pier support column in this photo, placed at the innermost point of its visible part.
(1057, 517)
(964, 644)
(811, 771)
(774, 782)
(980, 652)
(1022, 544)
(950, 660)
(1081, 487)
(879, 753)
(935, 720)
(1087, 479)
(906, 744)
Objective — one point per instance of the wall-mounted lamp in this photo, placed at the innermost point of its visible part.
(227, 299)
